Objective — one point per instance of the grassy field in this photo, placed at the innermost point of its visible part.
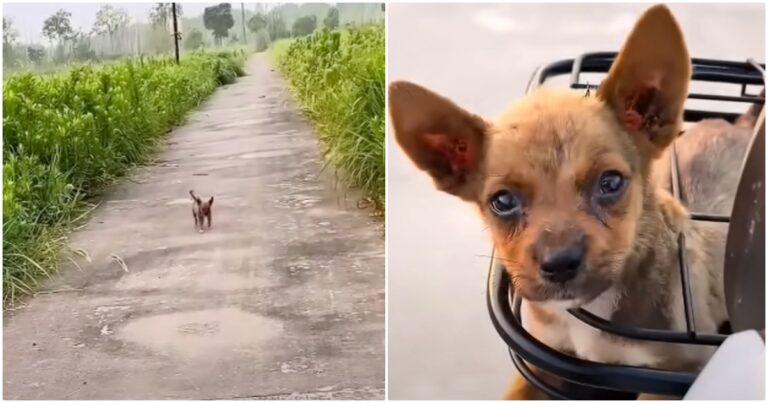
(338, 79)
(49, 66)
(68, 135)
(279, 48)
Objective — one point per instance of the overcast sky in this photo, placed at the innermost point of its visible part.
(28, 17)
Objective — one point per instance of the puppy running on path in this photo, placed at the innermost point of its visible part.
(569, 188)
(200, 210)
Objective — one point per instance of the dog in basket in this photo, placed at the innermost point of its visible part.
(573, 188)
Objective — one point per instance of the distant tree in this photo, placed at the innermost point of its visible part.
(276, 26)
(58, 27)
(9, 39)
(257, 23)
(160, 16)
(304, 25)
(109, 20)
(218, 19)
(35, 53)
(262, 40)
(259, 26)
(9, 32)
(194, 40)
(81, 46)
(82, 49)
(332, 19)
(161, 13)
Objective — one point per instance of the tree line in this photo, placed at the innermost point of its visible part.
(68, 43)
(110, 36)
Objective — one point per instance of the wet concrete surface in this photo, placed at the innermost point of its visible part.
(441, 343)
(283, 298)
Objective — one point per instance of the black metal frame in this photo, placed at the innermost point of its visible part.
(617, 381)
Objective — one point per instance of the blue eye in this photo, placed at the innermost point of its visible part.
(504, 203)
(610, 185)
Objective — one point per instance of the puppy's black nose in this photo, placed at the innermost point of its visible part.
(562, 264)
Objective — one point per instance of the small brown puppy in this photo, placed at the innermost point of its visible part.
(569, 188)
(200, 210)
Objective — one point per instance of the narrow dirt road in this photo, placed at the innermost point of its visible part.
(283, 298)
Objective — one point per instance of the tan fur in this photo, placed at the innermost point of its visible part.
(549, 148)
(519, 389)
(201, 210)
(646, 396)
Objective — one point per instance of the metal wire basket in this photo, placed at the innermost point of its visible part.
(593, 380)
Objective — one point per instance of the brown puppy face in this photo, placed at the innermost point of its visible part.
(561, 195)
(561, 179)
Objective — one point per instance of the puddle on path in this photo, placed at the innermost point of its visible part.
(196, 334)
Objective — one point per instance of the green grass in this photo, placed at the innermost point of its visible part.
(68, 135)
(279, 48)
(338, 78)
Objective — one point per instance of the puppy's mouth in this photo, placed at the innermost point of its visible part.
(573, 293)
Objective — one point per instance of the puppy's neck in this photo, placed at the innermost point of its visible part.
(650, 270)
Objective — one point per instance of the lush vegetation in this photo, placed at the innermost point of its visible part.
(67, 135)
(338, 78)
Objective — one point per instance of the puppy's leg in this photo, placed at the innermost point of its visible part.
(521, 389)
(194, 215)
(210, 217)
(673, 212)
(648, 396)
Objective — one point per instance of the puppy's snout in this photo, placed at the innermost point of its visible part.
(560, 257)
(562, 265)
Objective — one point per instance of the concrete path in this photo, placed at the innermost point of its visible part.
(283, 298)
(441, 343)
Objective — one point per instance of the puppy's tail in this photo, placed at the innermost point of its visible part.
(195, 198)
(749, 119)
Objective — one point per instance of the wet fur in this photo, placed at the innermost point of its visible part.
(548, 146)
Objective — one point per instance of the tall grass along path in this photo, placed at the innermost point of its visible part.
(338, 78)
(69, 134)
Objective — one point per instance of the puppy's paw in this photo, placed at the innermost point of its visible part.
(520, 389)
(675, 215)
(648, 396)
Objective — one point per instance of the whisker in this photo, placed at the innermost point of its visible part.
(498, 258)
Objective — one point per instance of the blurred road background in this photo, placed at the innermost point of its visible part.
(441, 343)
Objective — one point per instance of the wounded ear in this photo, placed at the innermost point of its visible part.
(439, 137)
(648, 82)
(210, 201)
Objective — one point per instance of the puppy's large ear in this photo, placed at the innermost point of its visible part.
(439, 137)
(648, 82)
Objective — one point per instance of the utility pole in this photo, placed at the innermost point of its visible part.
(176, 34)
(242, 11)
